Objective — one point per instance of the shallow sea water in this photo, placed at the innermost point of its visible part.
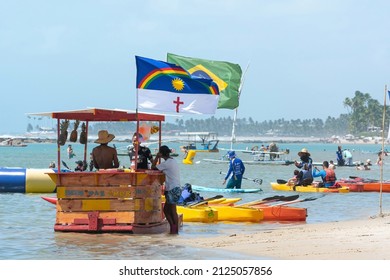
(27, 221)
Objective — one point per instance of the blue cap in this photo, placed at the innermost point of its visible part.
(231, 154)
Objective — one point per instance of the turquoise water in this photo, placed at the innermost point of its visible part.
(27, 221)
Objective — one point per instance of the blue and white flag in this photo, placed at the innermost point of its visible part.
(167, 87)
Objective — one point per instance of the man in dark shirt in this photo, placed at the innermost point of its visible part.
(144, 153)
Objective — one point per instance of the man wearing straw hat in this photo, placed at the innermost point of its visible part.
(304, 156)
(103, 156)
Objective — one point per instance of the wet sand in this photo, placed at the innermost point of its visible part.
(367, 239)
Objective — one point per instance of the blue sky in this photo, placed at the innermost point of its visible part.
(305, 57)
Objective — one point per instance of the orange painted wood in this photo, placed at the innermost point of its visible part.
(77, 205)
(141, 217)
(65, 218)
(112, 178)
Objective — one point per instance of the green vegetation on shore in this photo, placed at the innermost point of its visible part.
(364, 118)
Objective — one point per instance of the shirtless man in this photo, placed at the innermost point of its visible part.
(104, 157)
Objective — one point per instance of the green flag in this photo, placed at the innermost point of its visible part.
(225, 74)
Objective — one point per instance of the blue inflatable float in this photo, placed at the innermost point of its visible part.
(26, 180)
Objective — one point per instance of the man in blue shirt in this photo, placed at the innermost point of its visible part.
(236, 169)
(328, 175)
(340, 159)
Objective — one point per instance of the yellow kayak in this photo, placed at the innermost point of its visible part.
(224, 201)
(220, 212)
(311, 188)
(216, 201)
(200, 214)
(238, 214)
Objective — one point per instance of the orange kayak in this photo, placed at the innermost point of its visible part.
(353, 186)
(368, 185)
(375, 187)
(282, 213)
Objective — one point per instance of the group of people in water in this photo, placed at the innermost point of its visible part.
(307, 172)
(303, 176)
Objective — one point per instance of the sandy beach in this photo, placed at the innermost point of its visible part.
(367, 239)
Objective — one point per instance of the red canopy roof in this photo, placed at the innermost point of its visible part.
(95, 114)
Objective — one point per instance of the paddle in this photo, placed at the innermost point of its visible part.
(64, 163)
(198, 203)
(257, 181)
(360, 179)
(298, 200)
(270, 199)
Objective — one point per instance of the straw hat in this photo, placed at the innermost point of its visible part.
(303, 151)
(104, 137)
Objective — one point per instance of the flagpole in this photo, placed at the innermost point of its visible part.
(233, 139)
(382, 158)
(137, 133)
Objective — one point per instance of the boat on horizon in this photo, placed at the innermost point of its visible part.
(216, 189)
(12, 143)
(258, 158)
(208, 142)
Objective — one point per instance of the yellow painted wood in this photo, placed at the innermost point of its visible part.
(108, 192)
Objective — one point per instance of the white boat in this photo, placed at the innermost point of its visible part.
(216, 189)
(12, 143)
(354, 164)
(209, 142)
(259, 157)
(270, 158)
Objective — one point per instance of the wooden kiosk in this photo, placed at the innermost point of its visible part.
(111, 200)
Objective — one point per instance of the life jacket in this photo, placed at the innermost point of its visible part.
(330, 176)
(306, 174)
(306, 178)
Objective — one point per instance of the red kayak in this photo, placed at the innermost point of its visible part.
(352, 185)
(52, 200)
(368, 185)
(279, 212)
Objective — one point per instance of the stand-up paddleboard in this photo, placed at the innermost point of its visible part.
(215, 189)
